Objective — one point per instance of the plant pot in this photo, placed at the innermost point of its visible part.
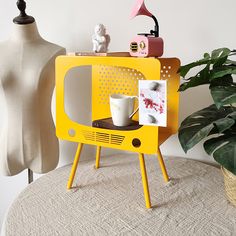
(230, 185)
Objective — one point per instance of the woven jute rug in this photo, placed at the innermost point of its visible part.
(109, 201)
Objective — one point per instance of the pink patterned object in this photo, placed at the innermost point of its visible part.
(153, 102)
(146, 46)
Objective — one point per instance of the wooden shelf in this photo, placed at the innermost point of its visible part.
(108, 124)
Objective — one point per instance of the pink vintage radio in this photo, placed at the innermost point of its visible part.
(146, 44)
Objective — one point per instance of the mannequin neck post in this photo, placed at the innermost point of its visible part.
(23, 33)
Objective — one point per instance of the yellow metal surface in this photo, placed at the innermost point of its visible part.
(74, 166)
(117, 75)
(144, 180)
(169, 68)
(162, 165)
(98, 154)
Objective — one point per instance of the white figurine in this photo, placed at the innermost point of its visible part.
(100, 39)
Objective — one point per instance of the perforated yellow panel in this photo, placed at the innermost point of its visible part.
(166, 70)
(169, 68)
(121, 80)
(113, 79)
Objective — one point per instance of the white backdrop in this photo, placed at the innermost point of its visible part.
(189, 29)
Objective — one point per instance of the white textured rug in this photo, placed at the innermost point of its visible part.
(109, 201)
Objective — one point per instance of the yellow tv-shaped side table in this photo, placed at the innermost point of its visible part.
(118, 75)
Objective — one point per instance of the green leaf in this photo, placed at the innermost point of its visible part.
(193, 135)
(201, 78)
(193, 82)
(220, 62)
(222, 71)
(224, 123)
(230, 62)
(223, 95)
(183, 70)
(219, 118)
(232, 115)
(220, 53)
(224, 150)
(206, 55)
(227, 80)
(217, 58)
(203, 123)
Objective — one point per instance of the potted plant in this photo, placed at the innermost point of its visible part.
(215, 124)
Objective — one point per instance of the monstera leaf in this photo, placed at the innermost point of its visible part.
(224, 150)
(217, 58)
(205, 122)
(215, 124)
(218, 69)
(203, 77)
(223, 94)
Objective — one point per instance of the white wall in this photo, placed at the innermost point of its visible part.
(189, 29)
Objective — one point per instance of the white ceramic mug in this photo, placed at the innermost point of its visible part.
(122, 109)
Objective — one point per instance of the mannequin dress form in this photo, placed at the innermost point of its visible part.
(27, 80)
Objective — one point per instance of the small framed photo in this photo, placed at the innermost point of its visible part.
(153, 102)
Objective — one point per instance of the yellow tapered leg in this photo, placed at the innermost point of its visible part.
(98, 153)
(74, 166)
(144, 180)
(162, 165)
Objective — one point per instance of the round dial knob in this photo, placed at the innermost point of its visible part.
(142, 45)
